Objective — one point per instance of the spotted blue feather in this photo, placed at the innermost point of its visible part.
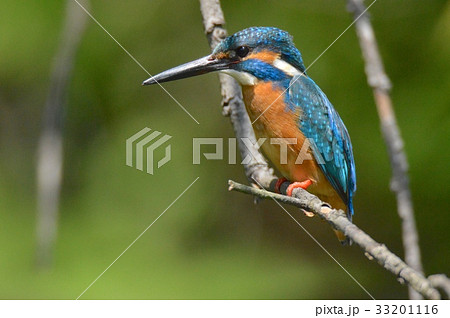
(321, 123)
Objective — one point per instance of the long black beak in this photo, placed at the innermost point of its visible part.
(203, 65)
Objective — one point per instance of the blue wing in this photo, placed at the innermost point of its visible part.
(321, 123)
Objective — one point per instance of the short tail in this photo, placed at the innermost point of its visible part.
(342, 238)
(337, 203)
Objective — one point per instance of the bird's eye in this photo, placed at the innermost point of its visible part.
(242, 51)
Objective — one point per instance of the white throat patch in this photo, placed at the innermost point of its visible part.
(244, 78)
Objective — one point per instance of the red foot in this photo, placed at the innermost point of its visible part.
(304, 185)
(279, 183)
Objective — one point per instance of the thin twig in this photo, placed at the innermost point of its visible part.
(338, 220)
(379, 81)
(50, 150)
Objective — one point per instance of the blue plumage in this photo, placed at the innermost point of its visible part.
(264, 71)
(321, 123)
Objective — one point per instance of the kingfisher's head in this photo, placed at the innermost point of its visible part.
(250, 56)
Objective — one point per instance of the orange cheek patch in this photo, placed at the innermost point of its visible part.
(265, 56)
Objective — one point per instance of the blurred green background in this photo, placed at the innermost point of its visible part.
(211, 243)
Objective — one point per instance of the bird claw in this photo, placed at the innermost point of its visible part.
(304, 185)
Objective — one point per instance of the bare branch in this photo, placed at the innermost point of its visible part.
(338, 220)
(233, 106)
(50, 150)
(380, 84)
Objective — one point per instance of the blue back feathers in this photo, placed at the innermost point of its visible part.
(321, 123)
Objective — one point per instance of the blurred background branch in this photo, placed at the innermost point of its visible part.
(379, 82)
(50, 154)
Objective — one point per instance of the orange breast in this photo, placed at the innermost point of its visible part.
(271, 120)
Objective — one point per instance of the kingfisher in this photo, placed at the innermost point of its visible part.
(284, 104)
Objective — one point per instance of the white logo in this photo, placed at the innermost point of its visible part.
(308, 148)
(150, 146)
